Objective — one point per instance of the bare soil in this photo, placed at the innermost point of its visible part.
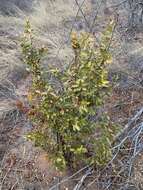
(22, 165)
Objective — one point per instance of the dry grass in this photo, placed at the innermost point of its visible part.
(22, 166)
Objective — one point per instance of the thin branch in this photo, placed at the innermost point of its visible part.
(128, 125)
(80, 183)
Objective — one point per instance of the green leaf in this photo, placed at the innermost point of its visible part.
(76, 126)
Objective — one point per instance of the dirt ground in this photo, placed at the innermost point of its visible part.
(22, 165)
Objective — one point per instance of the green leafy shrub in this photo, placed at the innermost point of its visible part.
(62, 116)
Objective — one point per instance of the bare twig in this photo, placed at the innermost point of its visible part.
(128, 125)
(80, 183)
(70, 177)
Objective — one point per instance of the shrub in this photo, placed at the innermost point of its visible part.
(62, 115)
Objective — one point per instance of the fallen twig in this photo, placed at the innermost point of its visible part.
(128, 125)
(80, 183)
